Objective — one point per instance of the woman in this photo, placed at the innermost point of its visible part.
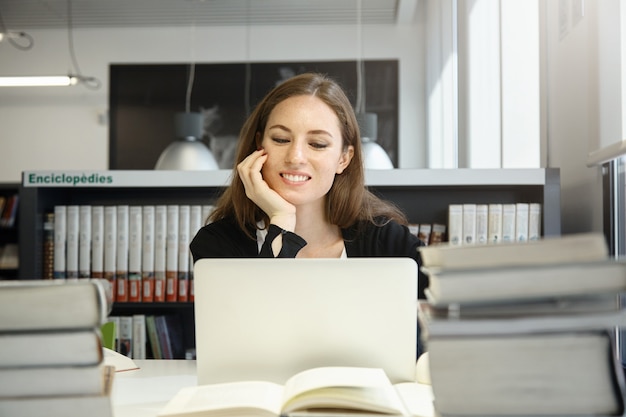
(298, 189)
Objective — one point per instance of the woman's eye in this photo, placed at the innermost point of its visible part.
(317, 145)
(280, 140)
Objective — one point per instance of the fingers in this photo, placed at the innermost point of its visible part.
(250, 171)
(278, 209)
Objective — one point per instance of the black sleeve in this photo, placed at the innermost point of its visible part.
(222, 239)
(292, 243)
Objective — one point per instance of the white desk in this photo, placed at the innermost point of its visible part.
(144, 392)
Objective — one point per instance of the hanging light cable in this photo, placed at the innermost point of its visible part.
(374, 156)
(19, 40)
(48, 80)
(188, 152)
(89, 82)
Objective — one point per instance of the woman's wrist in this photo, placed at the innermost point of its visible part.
(284, 221)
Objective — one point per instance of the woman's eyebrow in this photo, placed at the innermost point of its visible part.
(311, 132)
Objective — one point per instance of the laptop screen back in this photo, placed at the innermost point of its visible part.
(268, 319)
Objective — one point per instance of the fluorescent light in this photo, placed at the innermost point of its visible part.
(35, 81)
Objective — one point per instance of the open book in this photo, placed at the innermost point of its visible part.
(342, 389)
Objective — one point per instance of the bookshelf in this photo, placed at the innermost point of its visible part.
(8, 231)
(423, 194)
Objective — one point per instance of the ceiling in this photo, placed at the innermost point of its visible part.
(19, 15)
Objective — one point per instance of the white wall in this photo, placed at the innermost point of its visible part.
(66, 128)
(572, 96)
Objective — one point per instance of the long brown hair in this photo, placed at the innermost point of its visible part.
(348, 200)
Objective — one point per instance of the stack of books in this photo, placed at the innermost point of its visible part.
(524, 328)
(51, 355)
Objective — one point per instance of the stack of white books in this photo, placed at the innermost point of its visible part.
(524, 328)
(51, 355)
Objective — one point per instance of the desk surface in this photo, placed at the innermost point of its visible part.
(144, 392)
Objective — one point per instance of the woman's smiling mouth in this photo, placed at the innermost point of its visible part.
(295, 178)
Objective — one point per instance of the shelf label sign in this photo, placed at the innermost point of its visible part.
(126, 178)
(74, 179)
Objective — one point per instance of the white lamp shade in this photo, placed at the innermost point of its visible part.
(186, 155)
(375, 157)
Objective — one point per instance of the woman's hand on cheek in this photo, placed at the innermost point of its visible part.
(280, 212)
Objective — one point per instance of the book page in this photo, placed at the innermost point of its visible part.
(118, 361)
(341, 387)
(258, 398)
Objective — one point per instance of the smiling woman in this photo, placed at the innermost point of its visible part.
(298, 189)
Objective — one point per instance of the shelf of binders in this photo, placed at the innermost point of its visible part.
(423, 194)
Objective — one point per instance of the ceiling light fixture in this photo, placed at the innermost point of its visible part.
(38, 81)
(24, 41)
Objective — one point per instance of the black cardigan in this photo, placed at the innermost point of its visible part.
(225, 239)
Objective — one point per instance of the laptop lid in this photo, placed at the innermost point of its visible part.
(268, 319)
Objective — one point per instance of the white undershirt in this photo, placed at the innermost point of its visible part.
(262, 233)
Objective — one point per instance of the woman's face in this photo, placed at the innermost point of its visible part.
(303, 142)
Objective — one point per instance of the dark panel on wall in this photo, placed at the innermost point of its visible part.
(143, 99)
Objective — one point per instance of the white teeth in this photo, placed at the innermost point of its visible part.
(295, 178)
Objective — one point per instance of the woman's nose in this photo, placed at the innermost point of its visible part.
(295, 154)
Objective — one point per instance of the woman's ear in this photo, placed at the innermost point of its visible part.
(345, 159)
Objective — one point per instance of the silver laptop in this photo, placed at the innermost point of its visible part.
(267, 319)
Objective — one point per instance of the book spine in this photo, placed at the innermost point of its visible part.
(438, 233)
(424, 231)
(534, 221)
(164, 337)
(139, 336)
(110, 246)
(455, 224)
(160, 249)
(153, 337)
(121, 270)
(60, 236)
(195, 223)
(469, 224)
(10, 212)
(116, 335)
(84, 242)
(71, 256)
(3, 204)
(135, 236)
(171, 253)
(126, 336)
(184, 213)
(494, 233)
(147, 255)
(482, 224)
(508, 222)
(97, 242)
(521, 222)
(48, 246)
